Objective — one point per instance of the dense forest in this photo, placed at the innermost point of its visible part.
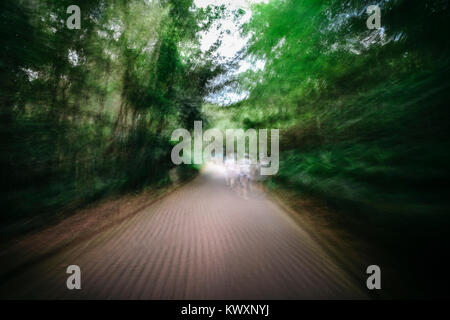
(363, 113)
(89, 112)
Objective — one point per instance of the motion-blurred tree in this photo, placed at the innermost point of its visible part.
(88, 112)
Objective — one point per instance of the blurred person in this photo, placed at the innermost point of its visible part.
(231, 171)
(244, 176)
(255, 176)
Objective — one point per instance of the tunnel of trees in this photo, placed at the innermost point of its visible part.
(363, 114)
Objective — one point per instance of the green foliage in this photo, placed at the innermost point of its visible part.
(363, 112)
(86, 113)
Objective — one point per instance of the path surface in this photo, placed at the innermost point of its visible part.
(202, 241)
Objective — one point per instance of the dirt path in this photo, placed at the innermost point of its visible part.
(202, 241)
